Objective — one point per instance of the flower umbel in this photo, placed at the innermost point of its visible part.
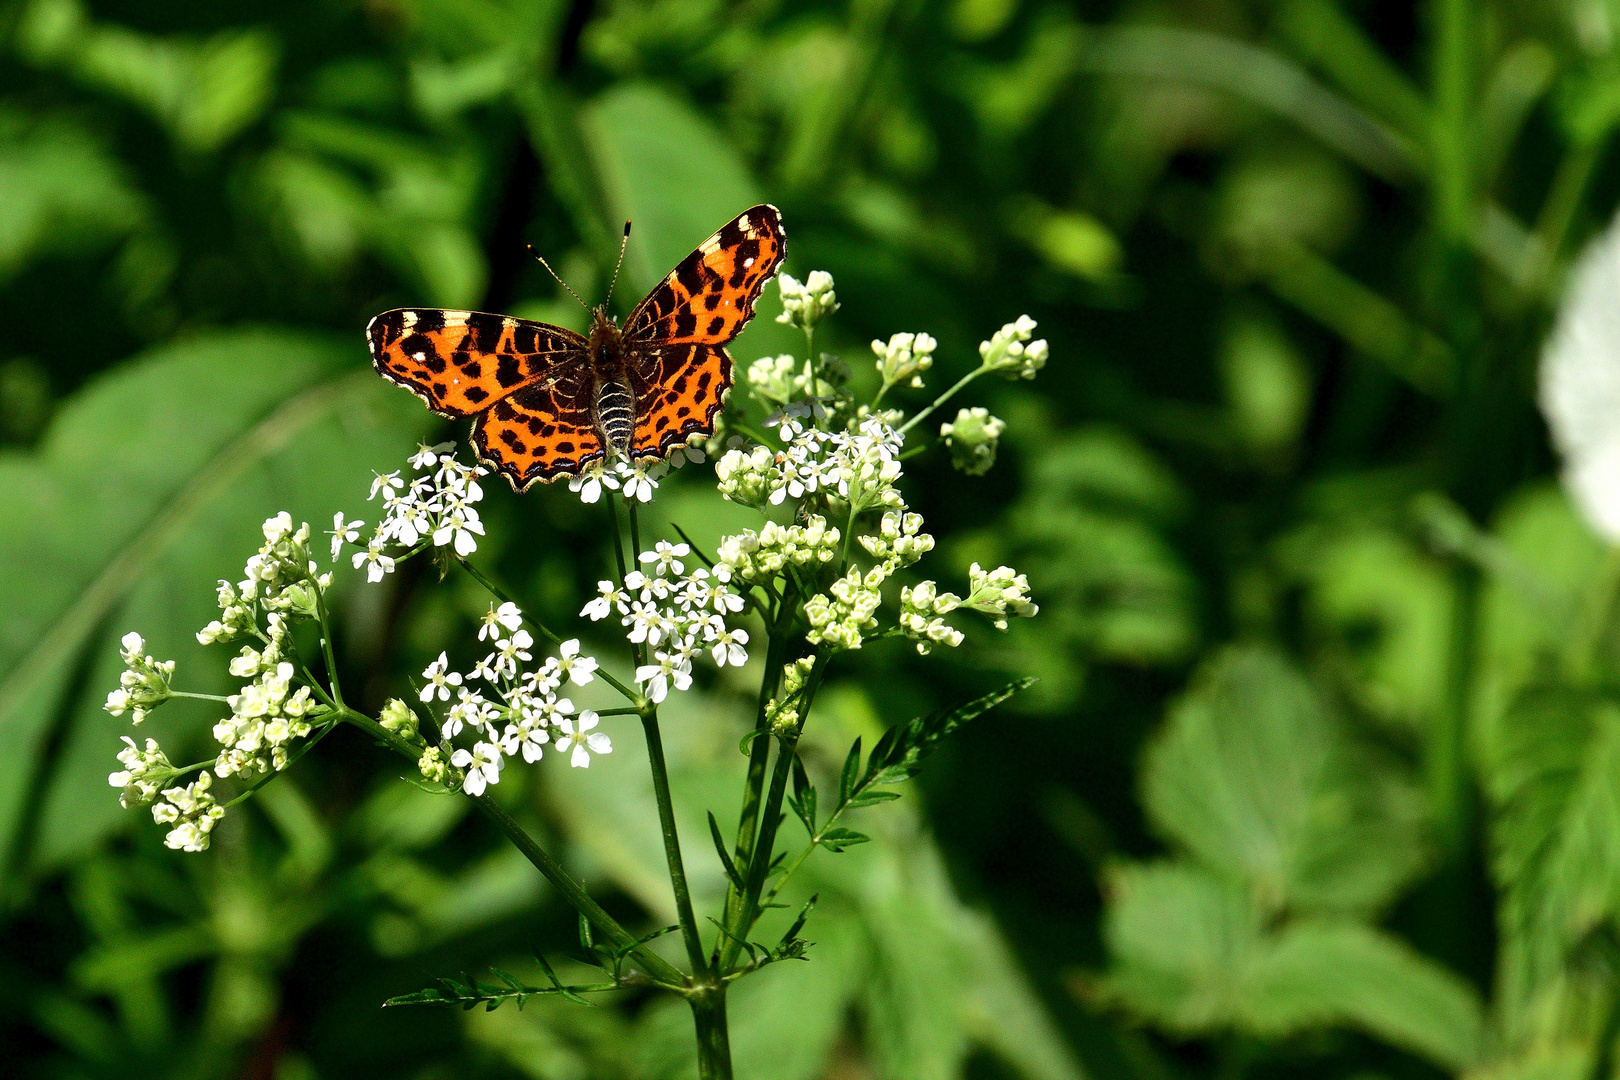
(144, 685)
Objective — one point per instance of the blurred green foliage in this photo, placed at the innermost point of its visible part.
(1321, 777)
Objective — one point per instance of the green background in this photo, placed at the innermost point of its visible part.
(1322, 776)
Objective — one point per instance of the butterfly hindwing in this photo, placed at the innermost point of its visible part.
(685, 393)
(543, 431)
(710, 296)
(462, 362)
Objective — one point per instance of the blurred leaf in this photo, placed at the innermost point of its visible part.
(1257, 781)
(1382, 609)
(60, 191)
(1552, 777)
(1267, 385)
(205, 92)
(665, 168)
(1194, 953)
(148, 486)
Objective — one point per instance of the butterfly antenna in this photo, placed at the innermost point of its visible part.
(554, 274)
(615, 279)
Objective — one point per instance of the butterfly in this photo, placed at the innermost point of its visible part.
(548, 402)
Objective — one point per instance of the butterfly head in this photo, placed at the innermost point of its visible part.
(605, 343)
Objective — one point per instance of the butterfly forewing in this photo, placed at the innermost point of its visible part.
(462, 362)
(710, 296)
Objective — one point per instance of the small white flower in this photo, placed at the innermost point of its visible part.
(510, 650)
(483, 764)
(577, 733)
(439, 679)
(668, 557)
(728, 646)
(343, 532)
(470, 711)
(609, 598)
(506, 615)
(579, 669)
(387, 484)
(428, 456)
(376, 563)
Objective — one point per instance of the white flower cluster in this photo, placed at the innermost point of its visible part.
(858, 467)
(842, 615)
(280, 580)
(804, 305)
(972, 439)
(904, 357)
(1010, 351)
(266, 716)
(999, 593)
(921, 609)
(515, 711)
(143, 775)
(280, 584)
(777, 380)
(437, 506)
(761, 556)
(677, 615)
(144, 683)
(192, 810)
(637, 481)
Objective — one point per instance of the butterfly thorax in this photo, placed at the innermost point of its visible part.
(614, 405)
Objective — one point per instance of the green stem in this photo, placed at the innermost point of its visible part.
(672, 842)
(760, 860)
(199, 697)
(759, 750)
(661, 970)
(714, 1041)
(943, 398)
(326, 644)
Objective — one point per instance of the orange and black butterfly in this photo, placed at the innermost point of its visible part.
(549, 402)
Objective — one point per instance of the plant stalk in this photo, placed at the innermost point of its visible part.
(713, 1038)
(672, 842)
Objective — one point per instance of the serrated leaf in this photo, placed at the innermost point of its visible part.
(1258, 779)
(902, 747)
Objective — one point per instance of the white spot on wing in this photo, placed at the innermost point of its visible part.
(419, 357)
(409, 320)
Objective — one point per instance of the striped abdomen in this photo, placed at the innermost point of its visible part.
(615, 413)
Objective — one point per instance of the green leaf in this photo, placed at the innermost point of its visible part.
(850, 772)
(149, 486)
(804, 796)
(60, 191)
(1552, 771)
(1256, 780)
(838, 839)
(1194, 953)
(894, 761)
(732, 874)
